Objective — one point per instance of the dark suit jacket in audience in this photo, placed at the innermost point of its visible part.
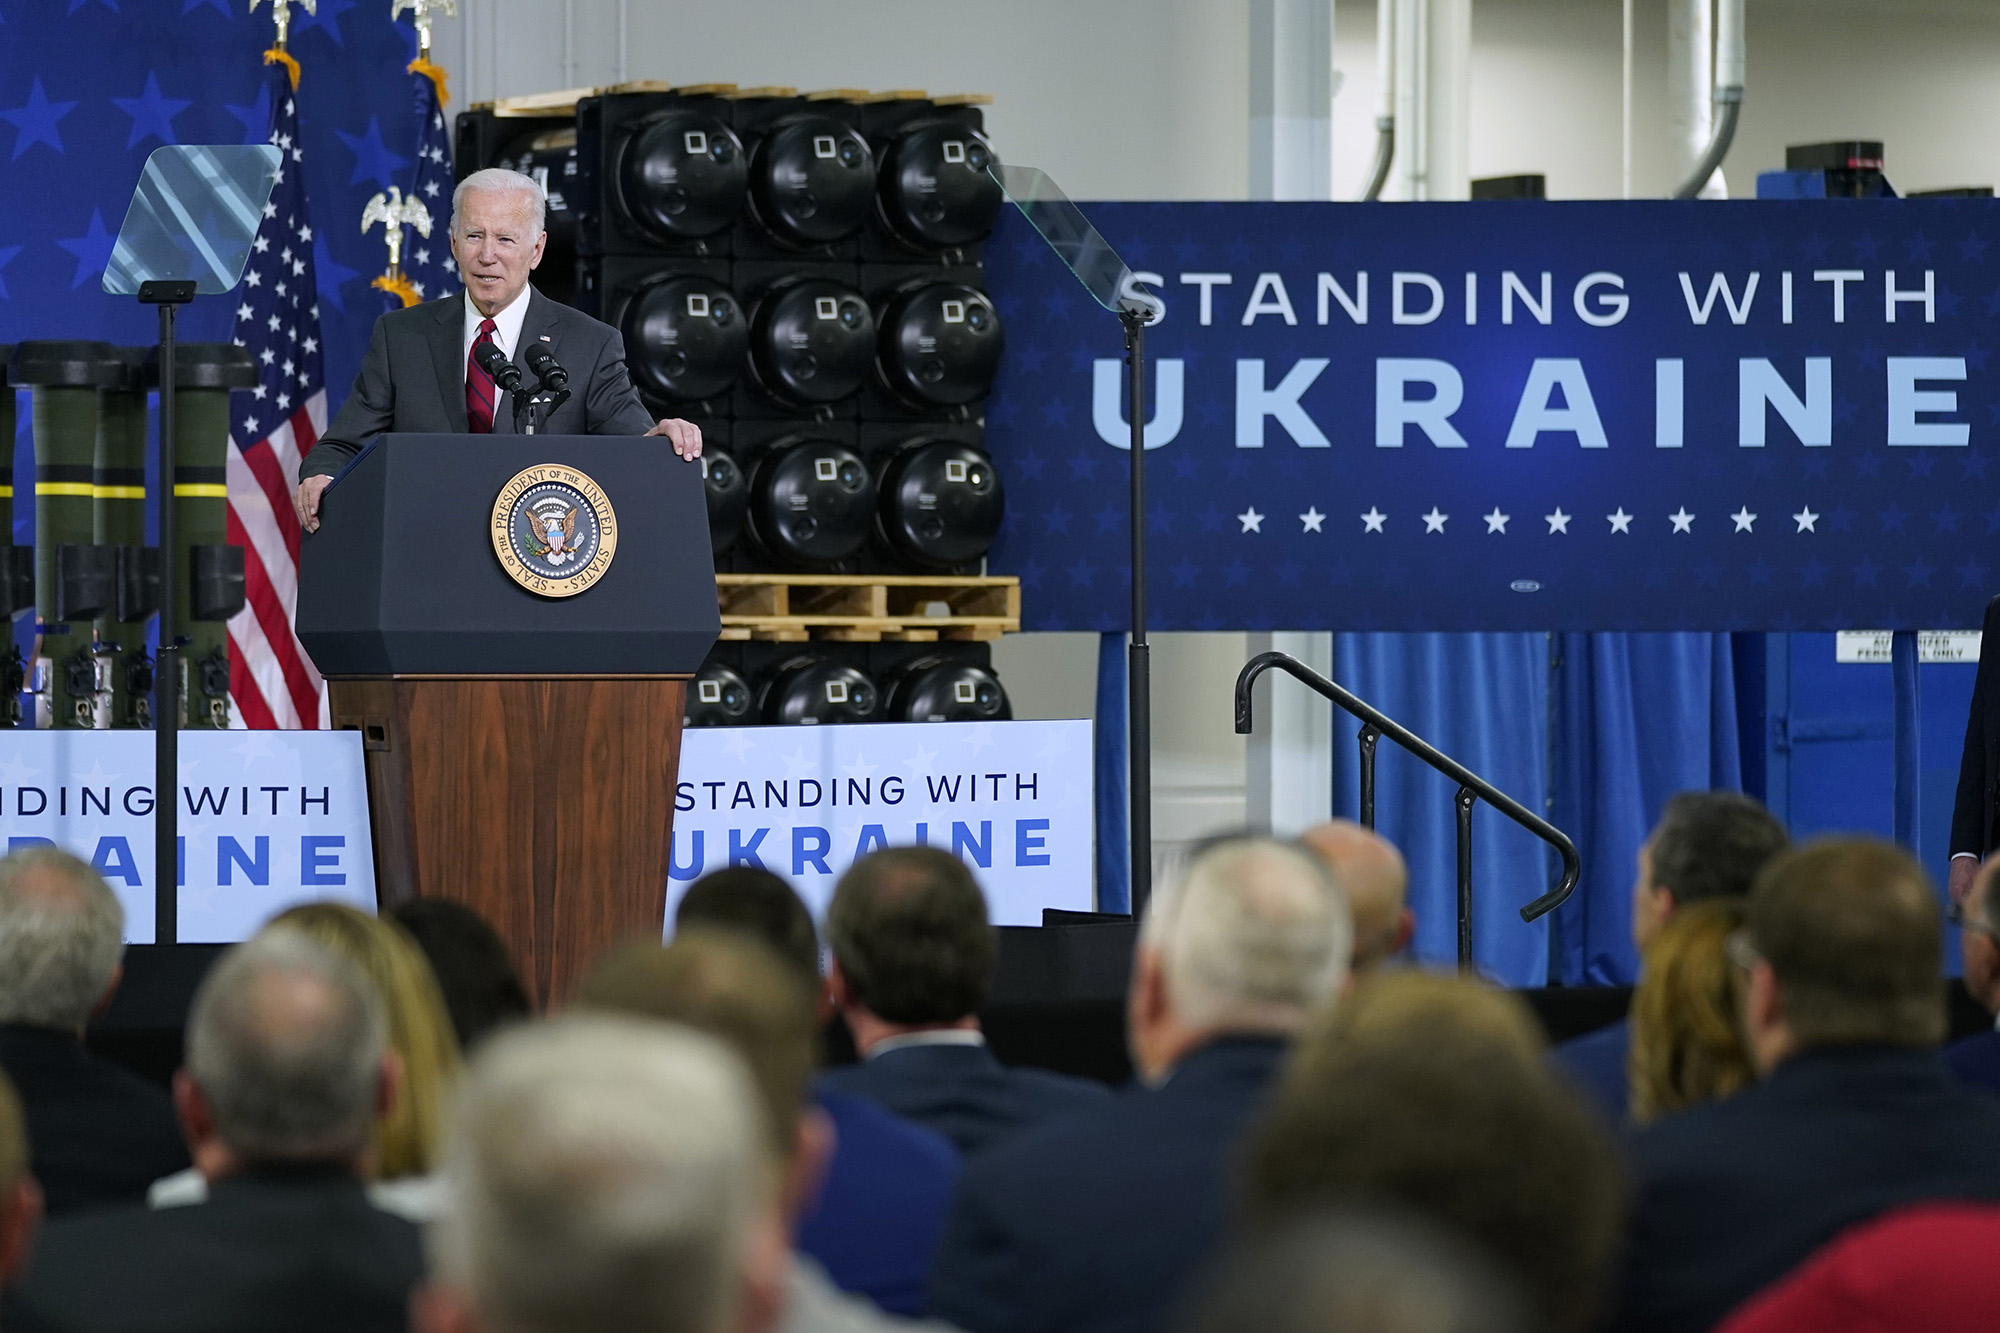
(882, 1207)
(100, 1134)
(964, 1092)
(1733, 1195)
(1976, 1061)
(298, 1249)
(1094, 1223)
(1595, 1062)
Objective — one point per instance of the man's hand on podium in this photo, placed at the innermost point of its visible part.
(685, 435)
(306, 500)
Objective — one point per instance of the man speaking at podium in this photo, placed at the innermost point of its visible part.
(423, 374)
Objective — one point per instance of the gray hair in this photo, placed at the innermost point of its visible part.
(602, 1172)
(285, 1041)
(61, 938)
(500, 180)
(1256, 935)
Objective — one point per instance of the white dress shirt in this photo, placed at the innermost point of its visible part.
(931, 1037)
(506, 326)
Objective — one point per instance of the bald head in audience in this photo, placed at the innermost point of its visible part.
(1371, 872)
(606, 1172)
(287, 1059)
(1252, 939)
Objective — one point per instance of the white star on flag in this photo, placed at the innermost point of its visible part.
(1434, 521)
(1373, 520)
(1251, 520)
(1805, 518)
(1743, 519)
(1682, 520)
(1558, 521)
(1312, 519)
(1496, 521)
(1620, 521)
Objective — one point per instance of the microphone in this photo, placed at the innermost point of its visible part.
(505, 373)
(543, 362)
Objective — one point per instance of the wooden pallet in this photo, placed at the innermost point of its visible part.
(868, 608)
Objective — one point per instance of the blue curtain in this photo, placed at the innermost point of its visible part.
(1114, 864)
(1482, 699)
(1634, 718)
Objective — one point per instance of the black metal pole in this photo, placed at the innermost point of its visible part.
(1467, 798)
(1139, 684)
(166, 670)
(1369, 736)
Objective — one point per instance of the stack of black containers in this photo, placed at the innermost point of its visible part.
(802, 276)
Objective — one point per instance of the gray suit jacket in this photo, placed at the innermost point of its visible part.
(413, 379)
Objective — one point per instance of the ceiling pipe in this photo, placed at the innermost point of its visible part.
(1385, 118)
(1728, 96)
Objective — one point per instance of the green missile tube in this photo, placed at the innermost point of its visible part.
(118, 493)
(204, 374)
(68, 379)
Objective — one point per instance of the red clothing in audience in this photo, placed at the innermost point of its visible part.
(1929, 1269)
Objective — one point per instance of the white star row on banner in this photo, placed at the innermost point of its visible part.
(1374, 520)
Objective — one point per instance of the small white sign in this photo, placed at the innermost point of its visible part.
(267, 819)
(1872, 646)
(1012, 799)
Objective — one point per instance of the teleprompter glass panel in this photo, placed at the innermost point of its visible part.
(1062, 224)
(193, 217)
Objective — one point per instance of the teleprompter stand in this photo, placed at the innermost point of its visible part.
(1111, 283)
(166, 260)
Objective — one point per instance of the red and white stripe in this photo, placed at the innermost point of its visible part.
(272, 682)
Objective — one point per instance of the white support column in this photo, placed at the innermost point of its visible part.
(1433, 99)
(1289, 761)
(1291, 99)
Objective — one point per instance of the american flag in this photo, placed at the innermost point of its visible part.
(427, 259)
(271, 680)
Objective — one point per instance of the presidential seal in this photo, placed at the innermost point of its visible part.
(553, 530)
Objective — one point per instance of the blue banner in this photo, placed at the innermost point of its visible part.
(1512, 416)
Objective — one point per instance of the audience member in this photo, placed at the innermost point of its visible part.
(1370, 871)
(101, 1133)
(1434, 1094)
(1095, 1221)
(912, 959)
(1707, 845)
(287, 1069)
(420, 1037)
(20, 1196)
(757, 902)
(1976, 1059)
(729, 985)
(874, 1227)
(1687, 1042)
(1855, 1114)
(1356, 1271)
(1927, 1269)
(481, 988)
(608, 1175)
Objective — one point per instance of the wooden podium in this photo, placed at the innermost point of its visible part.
(521, 749)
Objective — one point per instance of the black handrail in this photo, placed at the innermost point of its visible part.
(1472, 788)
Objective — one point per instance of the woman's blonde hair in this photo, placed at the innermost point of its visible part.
(1687, 1042)
(406, 1140)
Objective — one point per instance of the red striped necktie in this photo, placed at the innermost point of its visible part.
(480, 393)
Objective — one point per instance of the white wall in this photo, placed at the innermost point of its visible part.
(1149, 99)
(1116, 99)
